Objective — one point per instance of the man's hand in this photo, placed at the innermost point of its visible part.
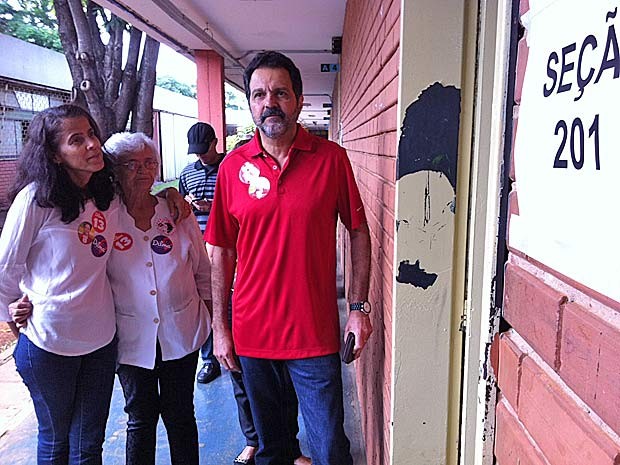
(20, 311)
(224, 350)
(202, 205)
(360, 325)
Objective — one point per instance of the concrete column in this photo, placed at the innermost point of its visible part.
(210, 92)
(427, 299)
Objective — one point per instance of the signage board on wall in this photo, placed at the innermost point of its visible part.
(567, 147)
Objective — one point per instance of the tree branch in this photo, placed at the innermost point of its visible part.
(113, 61)
(125, 101)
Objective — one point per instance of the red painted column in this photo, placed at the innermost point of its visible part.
(210, 92)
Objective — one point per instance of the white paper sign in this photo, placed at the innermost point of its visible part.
(567, 148)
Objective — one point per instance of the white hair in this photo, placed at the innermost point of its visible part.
(126, 143)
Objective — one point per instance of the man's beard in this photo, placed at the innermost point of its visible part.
(274, 129)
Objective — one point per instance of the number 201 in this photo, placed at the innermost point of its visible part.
(577, 143)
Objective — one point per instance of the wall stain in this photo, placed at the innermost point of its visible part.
(428, 143)
(415, 275)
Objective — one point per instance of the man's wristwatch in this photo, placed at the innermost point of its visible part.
(363, 307)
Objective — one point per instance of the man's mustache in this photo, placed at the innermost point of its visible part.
(271, 112)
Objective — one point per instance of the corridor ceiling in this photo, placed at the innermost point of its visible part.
(236, 29)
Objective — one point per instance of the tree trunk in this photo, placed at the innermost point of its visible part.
(100, 83)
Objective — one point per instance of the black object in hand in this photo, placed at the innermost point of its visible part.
(347, 353)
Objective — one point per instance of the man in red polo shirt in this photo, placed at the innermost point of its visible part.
(277, 201)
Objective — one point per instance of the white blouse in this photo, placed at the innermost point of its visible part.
(62, 269)
(160, 279)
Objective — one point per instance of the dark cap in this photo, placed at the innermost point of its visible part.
(199, 137)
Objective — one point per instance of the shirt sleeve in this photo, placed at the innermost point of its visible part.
(350, 207)
(182, 187)
(222, 227)
(23, 221)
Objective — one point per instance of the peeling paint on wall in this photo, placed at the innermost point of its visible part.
(427, 160)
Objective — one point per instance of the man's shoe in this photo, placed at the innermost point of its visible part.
(208, 373)
(246, 456)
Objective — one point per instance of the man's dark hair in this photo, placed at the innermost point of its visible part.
(271, 59)
(54, 187)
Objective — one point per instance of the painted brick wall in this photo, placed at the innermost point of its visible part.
(559, 374)
(368, 121)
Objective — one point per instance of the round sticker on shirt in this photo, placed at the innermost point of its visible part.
(99, 246)
(165, 225)
(161, 245)
(122, 241)
(99, 222)
(86, 232)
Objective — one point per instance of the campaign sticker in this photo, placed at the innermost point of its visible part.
(85, 232)
(165, 225)
(99, 222)
(259, 187)
(161, 245)
(122, 241)
(99, 246)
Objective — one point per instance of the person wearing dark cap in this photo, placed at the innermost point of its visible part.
(197, 185)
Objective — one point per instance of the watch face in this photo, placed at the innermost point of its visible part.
(366, 307)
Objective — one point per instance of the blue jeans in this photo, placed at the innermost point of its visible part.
(166, 390)
(71, 397)
(318, 384)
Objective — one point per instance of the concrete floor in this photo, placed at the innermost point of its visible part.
(220, 438)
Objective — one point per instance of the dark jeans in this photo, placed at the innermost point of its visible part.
(71, 396)
(206, 351)
(246, 421)
(318, 384)
(167, 390)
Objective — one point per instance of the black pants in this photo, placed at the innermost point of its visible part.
(167, 390)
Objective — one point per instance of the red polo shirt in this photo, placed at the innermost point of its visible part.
(282, 224)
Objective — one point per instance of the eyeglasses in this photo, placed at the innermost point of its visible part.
(133, 165)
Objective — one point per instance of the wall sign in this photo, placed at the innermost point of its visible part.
(567, 147)
(330, 67)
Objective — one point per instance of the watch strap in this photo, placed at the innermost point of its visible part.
(363, 307)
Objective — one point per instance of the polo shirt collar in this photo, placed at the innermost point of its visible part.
(199, 166)
(303, 142)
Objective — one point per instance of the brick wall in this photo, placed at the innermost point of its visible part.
(7, 176)
(368, 118)
(559, 375)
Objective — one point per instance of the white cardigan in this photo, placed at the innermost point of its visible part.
(160, 279)
(62, 269)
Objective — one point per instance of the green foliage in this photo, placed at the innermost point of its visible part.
(31, 20)
(235, 99)
(170, 83)
(243, 134)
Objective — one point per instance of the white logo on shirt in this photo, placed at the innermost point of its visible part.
(259, 187)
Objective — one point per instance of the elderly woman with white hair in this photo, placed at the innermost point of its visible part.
(160, 277)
